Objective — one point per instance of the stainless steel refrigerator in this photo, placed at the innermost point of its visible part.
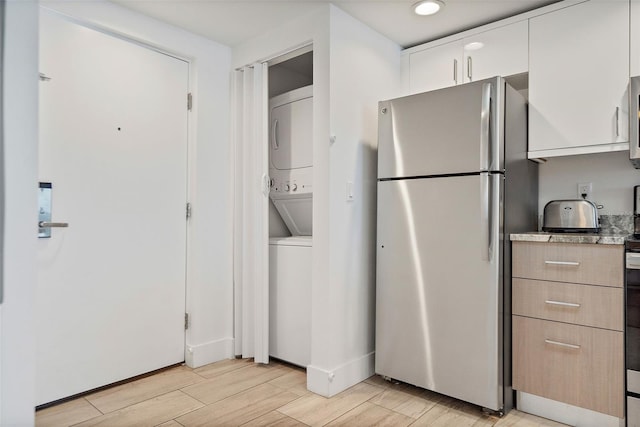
(453, 182)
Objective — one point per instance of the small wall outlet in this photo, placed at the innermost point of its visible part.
(584, 190)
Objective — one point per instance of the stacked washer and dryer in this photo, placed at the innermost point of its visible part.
(290, 248)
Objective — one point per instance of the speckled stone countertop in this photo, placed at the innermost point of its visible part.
(539, 236)
(614, 230)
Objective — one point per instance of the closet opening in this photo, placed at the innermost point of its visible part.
(290, 88)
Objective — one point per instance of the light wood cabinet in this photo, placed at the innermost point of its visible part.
(501, 51)
(597, 306)
(570, 262)
(568, 323)
(573, 364)
(578, 77)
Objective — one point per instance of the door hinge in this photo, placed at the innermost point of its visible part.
(189, 101)
(188, 210)
(186, 321)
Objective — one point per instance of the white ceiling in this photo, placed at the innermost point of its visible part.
(232, 22)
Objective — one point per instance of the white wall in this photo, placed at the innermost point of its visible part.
(612, 175)
(354, 68)
(209, 260)
(302, 31)
(365, 69)
(20, 106)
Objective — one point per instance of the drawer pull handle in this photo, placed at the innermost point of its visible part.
(564, 304)
(562, 344)
(572, 263)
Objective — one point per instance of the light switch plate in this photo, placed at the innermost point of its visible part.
(349, 191)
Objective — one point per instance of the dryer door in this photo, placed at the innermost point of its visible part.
(291, 135)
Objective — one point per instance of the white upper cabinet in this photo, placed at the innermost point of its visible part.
(498, 52)
(635, 38)
(578, 77)
(436, 67)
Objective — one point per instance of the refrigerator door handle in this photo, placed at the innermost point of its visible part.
(485, 212)
(488, 192)
(493, 181)
(485, 128)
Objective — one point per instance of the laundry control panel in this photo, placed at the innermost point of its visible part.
(282, 186)
(287, 186)
(294, 181)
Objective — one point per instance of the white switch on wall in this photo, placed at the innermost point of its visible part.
(349, 191)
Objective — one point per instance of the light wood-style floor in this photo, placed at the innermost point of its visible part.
(241, 393)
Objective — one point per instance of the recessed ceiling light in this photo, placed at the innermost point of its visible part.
(427, 7)
(474, 46)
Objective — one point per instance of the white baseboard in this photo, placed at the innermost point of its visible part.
(563, 413)
(213, 351)
(328, 383)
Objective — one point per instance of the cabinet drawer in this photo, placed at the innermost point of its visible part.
(585, 305)
(577, 365)
(568, 262)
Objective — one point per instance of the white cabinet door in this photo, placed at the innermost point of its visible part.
(635, 37)
(436, 67)
(499, 52)
(578, 76)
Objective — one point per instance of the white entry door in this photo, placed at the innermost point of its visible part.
(113, 143)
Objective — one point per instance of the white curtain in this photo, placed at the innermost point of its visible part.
(251, 198)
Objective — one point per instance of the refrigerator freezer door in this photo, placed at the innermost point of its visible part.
(447, 131)
(438, 320)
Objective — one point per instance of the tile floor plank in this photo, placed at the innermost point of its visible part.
(294, 381)
(240, 391)
(148, 413)
(137, 391)
(274, 419)
(236, 381)
(377, 380)
(453, 413)
(66, 414)
(369, 414)
(406, 403)
(239, 408)
(214, 369)
(172, 423)
(315, 410)
(517, 418)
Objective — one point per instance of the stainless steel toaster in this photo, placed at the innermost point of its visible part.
(571, 216)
